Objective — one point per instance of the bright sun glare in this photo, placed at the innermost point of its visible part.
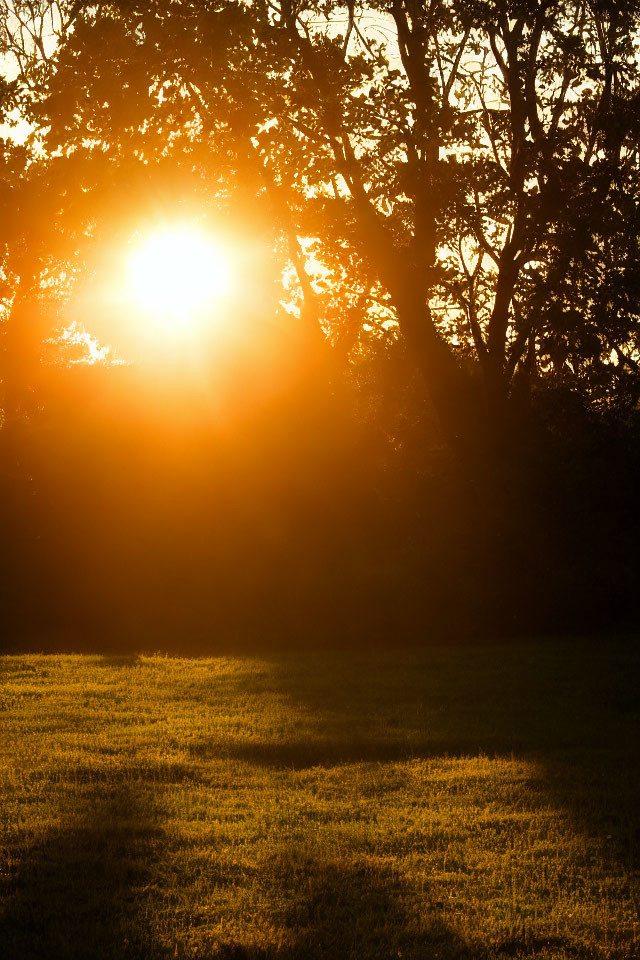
(178, 272)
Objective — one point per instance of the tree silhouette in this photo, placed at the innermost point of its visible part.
(466, 173)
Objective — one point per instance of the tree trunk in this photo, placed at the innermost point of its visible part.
(451, 390)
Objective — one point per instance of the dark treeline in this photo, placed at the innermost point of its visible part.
(303, 521)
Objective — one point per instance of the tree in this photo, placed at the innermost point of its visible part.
(37, 258)
(466, 172)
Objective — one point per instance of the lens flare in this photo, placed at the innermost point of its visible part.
(177, 273)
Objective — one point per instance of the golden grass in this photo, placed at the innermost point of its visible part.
(442, 804)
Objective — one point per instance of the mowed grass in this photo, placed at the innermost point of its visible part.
(442, 804)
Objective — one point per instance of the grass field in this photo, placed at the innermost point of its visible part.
(449, 803)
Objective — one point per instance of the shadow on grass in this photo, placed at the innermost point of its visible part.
(74, 894)
(81, 894)
(120, 660)
(573, 709)
(84, 891)
(365, 912)
(305, 754)
(334, 912)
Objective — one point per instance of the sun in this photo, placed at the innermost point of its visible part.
(178, 273)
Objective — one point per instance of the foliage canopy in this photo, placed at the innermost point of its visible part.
(464, 174)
